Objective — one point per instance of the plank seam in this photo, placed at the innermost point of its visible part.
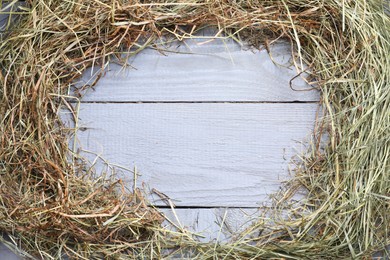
(203, 207)
(198, 102)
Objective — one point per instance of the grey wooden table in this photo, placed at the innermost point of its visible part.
(212, 127)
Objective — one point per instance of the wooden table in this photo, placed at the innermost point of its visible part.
(213, 127)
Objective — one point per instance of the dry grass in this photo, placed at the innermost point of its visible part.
(51, 205)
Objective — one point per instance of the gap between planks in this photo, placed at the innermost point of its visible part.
(220, 154)
(197, 102)
(201, 207)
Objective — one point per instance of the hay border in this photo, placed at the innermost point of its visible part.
(49, 207)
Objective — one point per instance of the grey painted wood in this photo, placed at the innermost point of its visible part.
(6, 254)
(9, 11)
(231, 155)
(202, 71)
(217, 224)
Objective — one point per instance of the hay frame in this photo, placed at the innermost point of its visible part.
(52, 206)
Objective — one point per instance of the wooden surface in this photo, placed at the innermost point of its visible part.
(200, 155)
(215, 224)
(216, 71)
(6, 254)
(212, 127)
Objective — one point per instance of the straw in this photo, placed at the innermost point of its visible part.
(51, 206)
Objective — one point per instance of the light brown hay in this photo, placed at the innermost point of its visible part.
(51, 206)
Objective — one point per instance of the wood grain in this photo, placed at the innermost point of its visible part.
(165, 114)
(216, 224)
(7, 254)
(214, 71)
(200, 154)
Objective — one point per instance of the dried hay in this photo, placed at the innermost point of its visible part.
(51, 206)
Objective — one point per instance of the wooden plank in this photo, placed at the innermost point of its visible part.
(6, 254)
(212, 71)
(231, 155)
(214, 224)
(9, 11)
